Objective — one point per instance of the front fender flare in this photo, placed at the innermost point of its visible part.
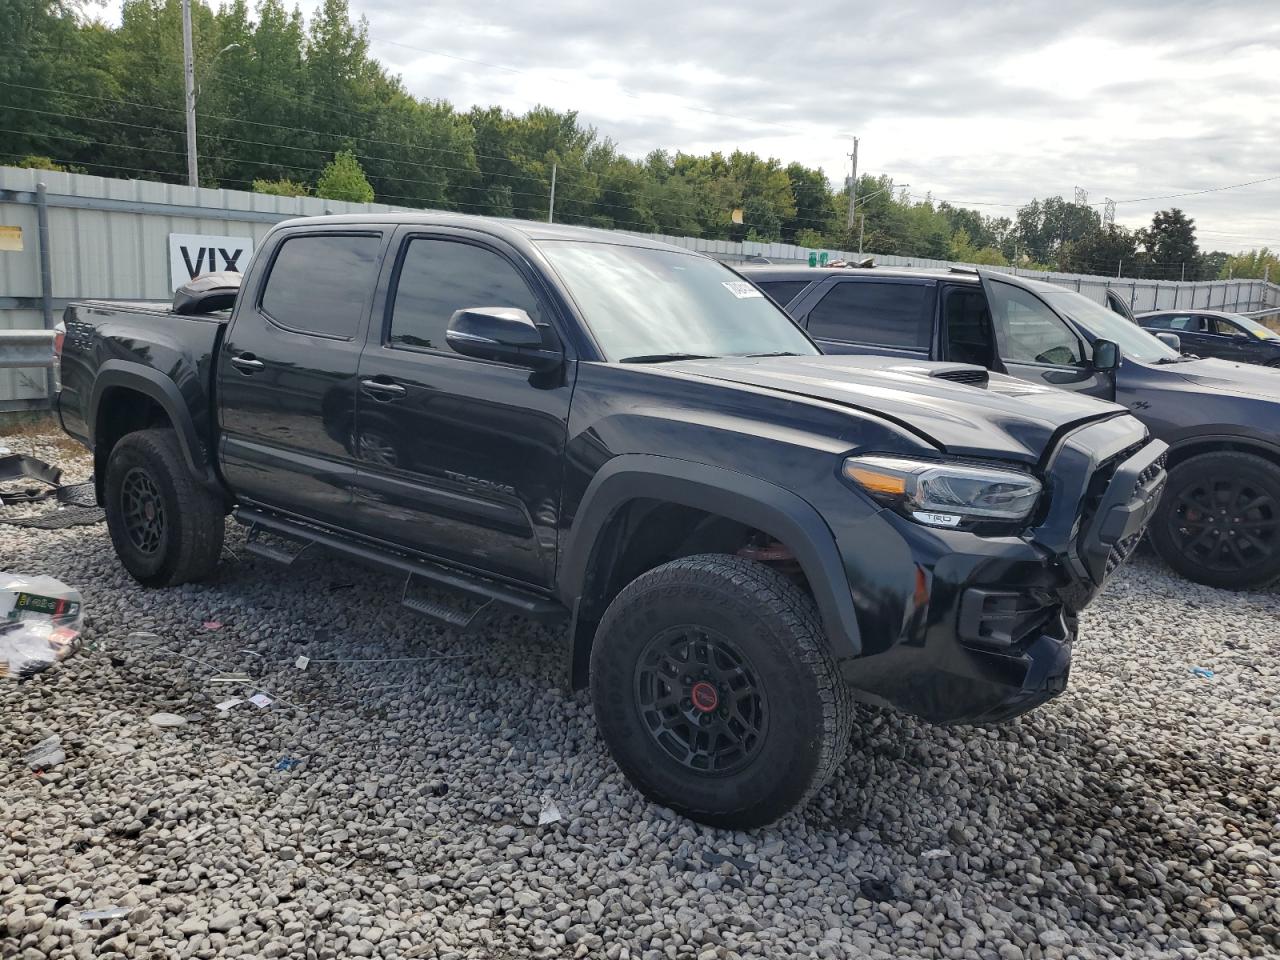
(757, 503)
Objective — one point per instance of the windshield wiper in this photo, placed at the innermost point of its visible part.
(1184, 358)
(776, 353)
(664, 357)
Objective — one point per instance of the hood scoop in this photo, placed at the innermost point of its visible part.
(969, 373)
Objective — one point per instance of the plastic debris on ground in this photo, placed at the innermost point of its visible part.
(19, 466)
(105, 913)
(301, 662)
(287, 763)
(47, 753)
(40, 623)
(167, 719)
(260, 700)
(226, 705)
(549, 813)
(213, 624)
(1203, 672)
(937, 854)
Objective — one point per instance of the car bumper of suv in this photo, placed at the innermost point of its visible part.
(990, 625)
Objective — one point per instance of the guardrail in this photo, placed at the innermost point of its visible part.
(26, 348)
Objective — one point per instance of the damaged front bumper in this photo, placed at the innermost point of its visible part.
(989, 632)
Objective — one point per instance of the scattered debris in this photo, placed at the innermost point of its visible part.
(230, 678)
(549, 813)
(167, 719)
(301, 662)
(260, 700)
(47, 753)
(287, 763)
(1203, 672)
(105, 913)
(712, 859)
(40, 623)
(939, 853)
(213, 624)
(18, 466)
(876, 890)
(226, 705)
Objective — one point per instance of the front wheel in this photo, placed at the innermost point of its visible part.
(1219, 520)
(716, 693)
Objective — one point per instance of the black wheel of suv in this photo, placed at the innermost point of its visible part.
(716, 693)
(166, 528)
(1219, 520)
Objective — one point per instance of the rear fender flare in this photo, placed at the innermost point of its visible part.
(749, 500)
(155, 385)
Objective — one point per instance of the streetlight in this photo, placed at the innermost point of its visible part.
(862, 217)
(189, 82)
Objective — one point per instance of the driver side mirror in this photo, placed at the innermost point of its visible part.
(1106, 355)
(1171, 340)
(505, 334)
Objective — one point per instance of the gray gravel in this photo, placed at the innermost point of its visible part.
(1137, 815)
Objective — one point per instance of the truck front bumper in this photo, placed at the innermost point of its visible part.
(989, 628)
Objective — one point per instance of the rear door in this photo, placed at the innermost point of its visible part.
(1236, 343)
(286, 378)
(889, 316)
(1034, 343)
(460, 458)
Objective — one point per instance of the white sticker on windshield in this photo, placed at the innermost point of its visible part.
(741, 289)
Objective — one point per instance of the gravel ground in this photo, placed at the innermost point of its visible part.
(1137, 815)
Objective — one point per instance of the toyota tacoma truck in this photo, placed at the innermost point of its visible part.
(1219, 522)
(742, 535)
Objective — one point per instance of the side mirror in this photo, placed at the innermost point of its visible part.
(1170, 340)
(505, 334)
(1106, 355)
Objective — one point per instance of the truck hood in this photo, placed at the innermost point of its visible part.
(1003, 418)
(1222, 376)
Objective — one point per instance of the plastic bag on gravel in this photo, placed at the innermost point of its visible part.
(40, 623)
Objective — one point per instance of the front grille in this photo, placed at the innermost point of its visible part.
(1121, 552)
(999, 619)
(1152, 471)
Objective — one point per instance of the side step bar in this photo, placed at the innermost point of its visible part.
(496, 595)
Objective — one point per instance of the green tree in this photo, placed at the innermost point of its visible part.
(1251, 265)
(281, 188)
(1169, 246)
(344, 179)
(966, 251)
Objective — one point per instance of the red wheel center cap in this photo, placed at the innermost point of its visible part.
(704, 696)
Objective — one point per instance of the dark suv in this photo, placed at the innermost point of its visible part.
(1218, 524)
(1213, 333)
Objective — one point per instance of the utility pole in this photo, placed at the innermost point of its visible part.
(1184, 270)
(862, 225)
(1118, 266)
(853, 183)
(551, 207)
(189, 81)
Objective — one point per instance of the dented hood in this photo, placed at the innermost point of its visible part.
(1000, 418)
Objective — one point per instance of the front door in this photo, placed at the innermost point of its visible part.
(460, 459)
(286, 379)
(1034, 343)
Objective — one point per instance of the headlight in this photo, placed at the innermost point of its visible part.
(945, 494)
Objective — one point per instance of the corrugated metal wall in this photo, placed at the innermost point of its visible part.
(123, 252)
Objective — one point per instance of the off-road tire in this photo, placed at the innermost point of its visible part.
(775, 626)
(1259, 477)
(189, 540)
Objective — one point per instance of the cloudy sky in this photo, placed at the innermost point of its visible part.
(974, 102)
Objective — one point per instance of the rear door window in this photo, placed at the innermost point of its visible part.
(320, 283)
(877, 313)
(782, 292)
(968, 327)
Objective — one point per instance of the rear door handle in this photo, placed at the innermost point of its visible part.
(247, 363)
(383, 389)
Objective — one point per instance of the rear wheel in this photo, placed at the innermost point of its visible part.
(1219, 520)
(715, 692)
(166, 528)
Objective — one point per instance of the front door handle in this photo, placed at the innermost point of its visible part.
(247, 363)
(383, 389)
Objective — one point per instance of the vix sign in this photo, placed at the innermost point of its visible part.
(193, 254)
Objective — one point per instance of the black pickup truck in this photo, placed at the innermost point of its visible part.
(1219, 523)
(742, 535)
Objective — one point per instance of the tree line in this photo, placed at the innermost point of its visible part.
(295, 107)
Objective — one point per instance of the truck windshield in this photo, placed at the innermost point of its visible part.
(647, 305)
(1105, 324)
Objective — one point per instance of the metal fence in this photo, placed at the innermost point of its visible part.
(66, 236)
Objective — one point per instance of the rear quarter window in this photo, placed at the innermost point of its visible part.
(782, 292)
(877, 313)
(320, 284)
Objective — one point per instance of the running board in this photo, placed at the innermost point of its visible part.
(496, 595)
